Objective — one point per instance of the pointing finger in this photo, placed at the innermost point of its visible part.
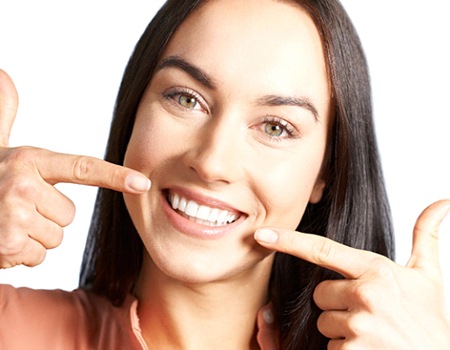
(84, 170)
(8, 107)
(57, 167)
(349, 262)
(425, 250)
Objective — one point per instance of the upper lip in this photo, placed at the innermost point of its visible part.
(204, 200)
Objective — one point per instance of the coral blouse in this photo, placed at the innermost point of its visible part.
(56, 319)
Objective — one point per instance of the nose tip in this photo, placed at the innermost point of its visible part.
(210, 167)
(214, 159)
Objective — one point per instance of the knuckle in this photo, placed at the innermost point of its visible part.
(37, 258)
(287, 243)
(6, 264)
(384, 269)
(365, 295)
(323, 251)
(19, 156)
(18, 186)
(40, 256)
(356, 324)
(54, 238)
(17, 182)
(117, 173)
(21, 217)
(322, 322)
(318, 293)
(82, 168)
(12, 245)
(66, 215)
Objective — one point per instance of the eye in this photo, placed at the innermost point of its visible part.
(185, 99)
(278, 129)
(273, 129)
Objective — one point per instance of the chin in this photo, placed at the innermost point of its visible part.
(190, 267)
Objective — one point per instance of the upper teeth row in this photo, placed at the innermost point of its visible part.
(202, 212)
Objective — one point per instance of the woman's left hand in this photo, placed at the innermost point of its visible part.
(379, 304)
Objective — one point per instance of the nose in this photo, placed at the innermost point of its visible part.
(216, 154)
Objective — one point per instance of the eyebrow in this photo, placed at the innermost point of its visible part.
(193, 71)
(302, 102)
(203, 78)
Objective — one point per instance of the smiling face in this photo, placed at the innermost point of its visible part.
(232, 132)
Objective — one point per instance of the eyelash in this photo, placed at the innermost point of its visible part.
(291, 132)
(170, 95)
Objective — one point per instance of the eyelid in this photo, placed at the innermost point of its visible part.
(290, 129)
(182, 90)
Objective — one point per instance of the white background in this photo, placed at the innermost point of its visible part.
(67, 59)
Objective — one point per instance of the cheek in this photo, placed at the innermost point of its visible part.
(140, 155)
(151, 150)
(285, 190)
(148, 147)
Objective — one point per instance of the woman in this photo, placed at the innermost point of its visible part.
(245, 142)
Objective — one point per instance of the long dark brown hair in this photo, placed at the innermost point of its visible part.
(354, 209)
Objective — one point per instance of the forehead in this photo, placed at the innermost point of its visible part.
(273, 42)
(250, 26)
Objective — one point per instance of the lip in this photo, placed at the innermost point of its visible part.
(195, 229)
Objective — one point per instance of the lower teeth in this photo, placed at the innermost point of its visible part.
(203, 222)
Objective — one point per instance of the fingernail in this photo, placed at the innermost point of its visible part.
(448, 206)
(265, 235)
(138, 183)
(268, 316)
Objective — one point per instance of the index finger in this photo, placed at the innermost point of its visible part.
(8, 107)
(350, 262)
(84, 170)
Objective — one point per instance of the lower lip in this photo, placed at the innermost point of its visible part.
(194, 229)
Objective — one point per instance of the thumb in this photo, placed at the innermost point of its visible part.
(425, 249)
(8, 107)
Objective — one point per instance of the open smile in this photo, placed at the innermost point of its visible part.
(200, 216)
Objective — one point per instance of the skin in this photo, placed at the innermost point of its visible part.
(33, 211)
(373, 307)
(219, 148)
(379, 304)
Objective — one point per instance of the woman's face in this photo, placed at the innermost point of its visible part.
(232, 132)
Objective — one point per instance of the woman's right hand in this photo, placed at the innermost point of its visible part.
(32, 211)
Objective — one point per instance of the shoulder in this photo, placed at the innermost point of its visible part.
(60, 319)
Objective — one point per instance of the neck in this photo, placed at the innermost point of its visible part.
(213, 315)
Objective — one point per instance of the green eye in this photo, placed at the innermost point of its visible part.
(187, 101)
(273, 129)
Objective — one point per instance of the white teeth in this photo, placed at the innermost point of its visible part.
(201, 213)
(182, 204)
(230, 218)
(191, 209)
(175, 200)
(222, 216)
(214, 215)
